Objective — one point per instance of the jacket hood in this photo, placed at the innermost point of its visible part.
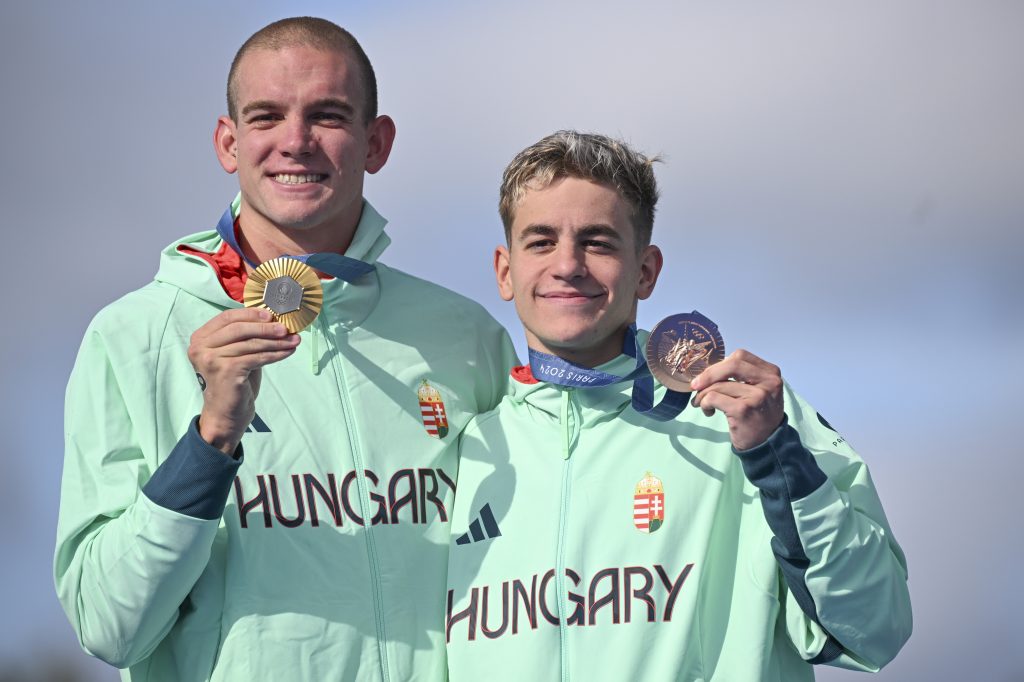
(192, 274)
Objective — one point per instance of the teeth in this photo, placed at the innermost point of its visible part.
(289, 179)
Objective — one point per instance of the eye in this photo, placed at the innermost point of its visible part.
(539, 244)
(263, 120)
(329, 118)
(598, 245)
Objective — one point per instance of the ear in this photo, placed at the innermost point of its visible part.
(650, 267)
(502, 273)
(225, 143)
(380, 136)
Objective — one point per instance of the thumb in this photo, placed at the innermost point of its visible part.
(255, 378)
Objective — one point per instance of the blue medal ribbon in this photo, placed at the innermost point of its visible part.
(556, 370)
(342, 267)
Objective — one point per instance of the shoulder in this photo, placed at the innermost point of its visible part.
(133, 325)
(814, 429)
(430, 296)
(487, 422)
(140, 308)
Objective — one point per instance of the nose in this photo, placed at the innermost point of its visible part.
(297, 138)
(569, 262)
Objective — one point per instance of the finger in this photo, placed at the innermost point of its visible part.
(742, 366)
(243, 331)
(731, 368)
(270, 357)
(227, 318)
(751, 393)
(734, 389)
(253, 346)
(253, 361)
(233, 315)
(719, 401)
(208, 358)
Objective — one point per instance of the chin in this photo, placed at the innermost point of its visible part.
(566, 342)
(298, 221)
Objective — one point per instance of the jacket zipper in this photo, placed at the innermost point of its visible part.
(364, 502)
(563, 521)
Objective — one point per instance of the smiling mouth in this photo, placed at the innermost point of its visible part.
(303, 179)
(569, 297)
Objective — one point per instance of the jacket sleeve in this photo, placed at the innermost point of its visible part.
(132, 538)
(499, 354)
(846, 601)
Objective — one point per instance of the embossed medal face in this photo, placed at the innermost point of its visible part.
(681, 347)
(289, 289)
(282, 295)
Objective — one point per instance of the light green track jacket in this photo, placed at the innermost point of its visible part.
(591, 543)
(328, 560)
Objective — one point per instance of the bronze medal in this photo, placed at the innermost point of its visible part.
(681, 347)
(289, 289)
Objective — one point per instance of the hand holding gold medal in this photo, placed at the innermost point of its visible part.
(289, 289)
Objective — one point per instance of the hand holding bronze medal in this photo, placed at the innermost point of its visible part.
(682, 346)
(679, 348)
(289, 289)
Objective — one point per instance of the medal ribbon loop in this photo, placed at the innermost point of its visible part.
(334, 264)
(556, 370)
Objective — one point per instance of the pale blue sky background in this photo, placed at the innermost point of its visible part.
(843, 193)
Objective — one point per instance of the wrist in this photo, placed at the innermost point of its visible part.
(222, 437)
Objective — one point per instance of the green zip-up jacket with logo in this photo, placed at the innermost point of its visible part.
(592, 543)
(321, 554)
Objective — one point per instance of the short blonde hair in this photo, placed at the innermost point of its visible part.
(588, 156)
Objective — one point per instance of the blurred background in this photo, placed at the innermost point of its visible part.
(842, 192)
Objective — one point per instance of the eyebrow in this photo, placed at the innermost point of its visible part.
(258, 104)
(600, 230)
(325, 103)
(585, 232)
(537, 230)
(333, 103)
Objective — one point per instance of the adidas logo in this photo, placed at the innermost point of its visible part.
(476, 533)
(257, 425)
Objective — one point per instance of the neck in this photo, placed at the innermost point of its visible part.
(588, 357)
(261, 240)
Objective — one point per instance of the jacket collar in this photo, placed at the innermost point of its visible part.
(349, 304)
(603, 400)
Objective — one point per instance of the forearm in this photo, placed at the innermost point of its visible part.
(840, 564)
(856, 575)
(122, 580)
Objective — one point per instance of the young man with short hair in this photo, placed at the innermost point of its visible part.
(596, 537)
(320, 554)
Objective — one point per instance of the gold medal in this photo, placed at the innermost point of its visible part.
(289, 289)
(681, 347)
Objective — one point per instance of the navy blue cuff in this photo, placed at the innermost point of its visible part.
(781, 466)
(784, 470)
(829, 652)
(196, 478)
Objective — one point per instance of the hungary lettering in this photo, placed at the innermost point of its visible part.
(409, 496)
(613, 596)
